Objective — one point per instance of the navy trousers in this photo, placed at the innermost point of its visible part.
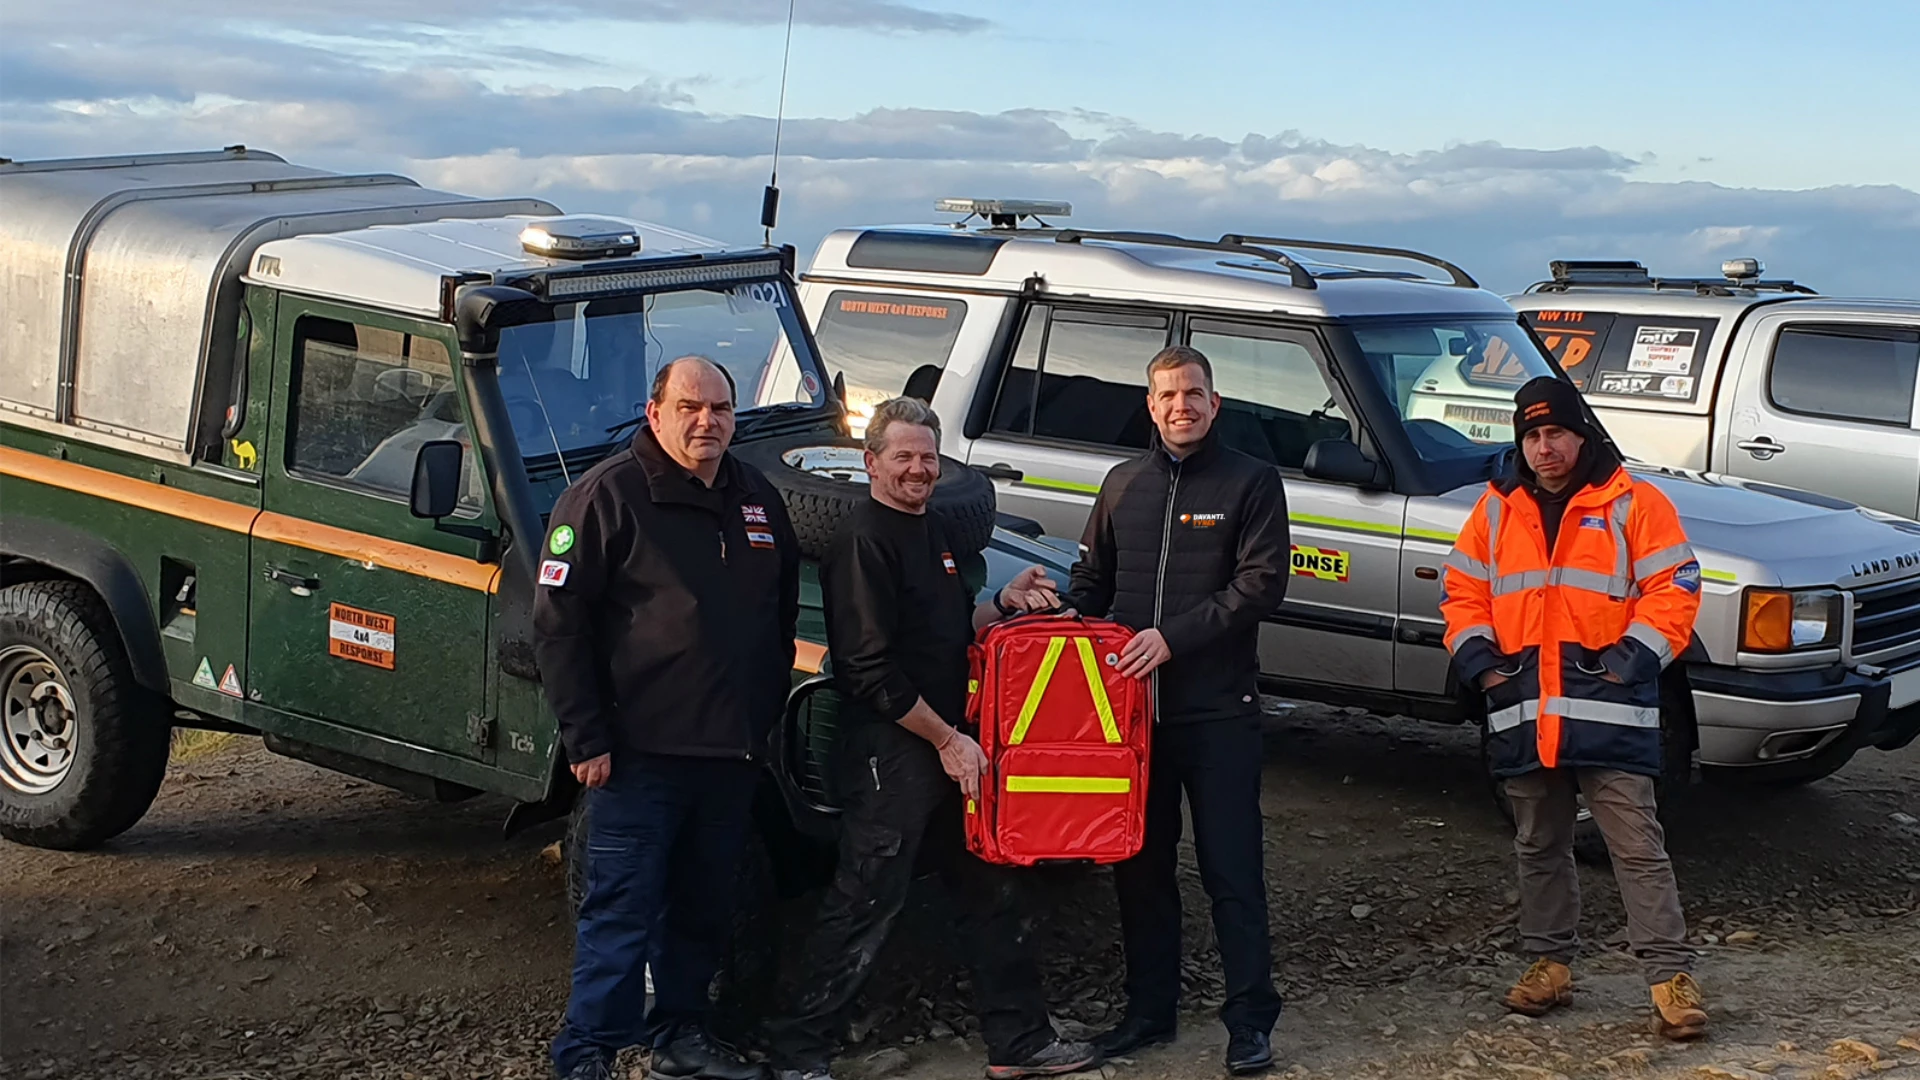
(1217, 764)
(665, 839)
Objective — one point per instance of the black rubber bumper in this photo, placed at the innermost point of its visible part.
(1875, 725)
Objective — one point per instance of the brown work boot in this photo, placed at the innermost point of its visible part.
(1676, 1008)
(1547, 985)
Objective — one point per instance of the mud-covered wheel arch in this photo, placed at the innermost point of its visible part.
(821, 480)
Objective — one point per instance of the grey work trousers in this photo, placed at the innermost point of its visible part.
(1544, 811)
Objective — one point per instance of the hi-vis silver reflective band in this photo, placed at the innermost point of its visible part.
(1604, 712)
(1591, 580)
(1513, 716)
(1474, 631)
(1598, 712)
(1666, 559)
(1512, 583)
(1654, 640)
(1473, 568)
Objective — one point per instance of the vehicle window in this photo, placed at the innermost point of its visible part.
(1661, 357)
(1013, 408)
(1572, 337)
(1275, 403)
(365, 399)
(887, 345)
(1863, 373)
(574, 384)
(1082, 377)
(1452, 381)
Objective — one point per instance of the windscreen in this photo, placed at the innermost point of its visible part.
(577, 383)
(1452, 381)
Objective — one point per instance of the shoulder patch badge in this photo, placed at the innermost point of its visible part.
(554, 572)
(1687, 576)
(561, 541)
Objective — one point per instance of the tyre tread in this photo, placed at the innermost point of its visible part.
(121, 774)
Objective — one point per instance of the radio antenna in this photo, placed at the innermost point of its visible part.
(770, 200)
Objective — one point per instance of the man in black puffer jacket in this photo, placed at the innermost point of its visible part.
(1188, 544)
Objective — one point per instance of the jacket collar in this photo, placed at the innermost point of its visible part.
(1595, 492)
(1203, 455)
(668, 482)
(1597, 469)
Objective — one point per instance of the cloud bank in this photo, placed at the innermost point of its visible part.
(356, 88)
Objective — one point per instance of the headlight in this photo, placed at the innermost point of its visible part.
(1778, 620)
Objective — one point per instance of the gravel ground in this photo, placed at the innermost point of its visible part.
(271, 920)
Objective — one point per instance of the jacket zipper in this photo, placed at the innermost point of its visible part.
(873, 766)
(1160, 571)
(722, 534)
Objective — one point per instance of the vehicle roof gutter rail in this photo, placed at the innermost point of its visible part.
(1460, 277)
(1296, 273)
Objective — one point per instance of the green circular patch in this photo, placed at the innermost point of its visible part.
(562, 540)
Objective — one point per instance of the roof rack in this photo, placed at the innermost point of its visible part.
(1460, 277)
(1296, 273)
(1739, 274)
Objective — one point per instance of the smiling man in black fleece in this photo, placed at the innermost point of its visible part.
(899, 619)
(1188, 544)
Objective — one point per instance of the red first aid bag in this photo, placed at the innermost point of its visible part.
(1066, 738)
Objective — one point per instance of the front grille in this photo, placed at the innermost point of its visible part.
(1886, 620)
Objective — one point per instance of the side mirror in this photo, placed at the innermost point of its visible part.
(436, 479)
(1341, 462)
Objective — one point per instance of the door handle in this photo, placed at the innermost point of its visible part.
(1000, 470)
(295, 583)
(1762, 447)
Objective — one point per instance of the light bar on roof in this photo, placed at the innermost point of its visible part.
(570, 286)
(1017, 207)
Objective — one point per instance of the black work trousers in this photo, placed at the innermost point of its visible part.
(1217, 763)
(897, 798)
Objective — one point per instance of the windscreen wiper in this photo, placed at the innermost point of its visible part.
(624, 425)
(768, 415)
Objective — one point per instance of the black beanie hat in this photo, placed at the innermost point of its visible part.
(1547, 400)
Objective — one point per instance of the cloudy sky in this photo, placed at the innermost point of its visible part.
(1498, 134)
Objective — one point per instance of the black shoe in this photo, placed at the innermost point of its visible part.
(592, 1068)
(693, 1055)
(1134, 1034)
(1249, 1052)
(1057, 1058)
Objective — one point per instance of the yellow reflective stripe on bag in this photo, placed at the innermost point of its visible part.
(1038, 691)
(1100, 703)
(1070, 785)
(1055, 646)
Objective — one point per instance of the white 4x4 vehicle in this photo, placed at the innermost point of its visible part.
(1032, 343)
(1759, 379)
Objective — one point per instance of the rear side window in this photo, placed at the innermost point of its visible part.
(1655, 357)
(887, 345)
(1081, 376)
(1863, 373)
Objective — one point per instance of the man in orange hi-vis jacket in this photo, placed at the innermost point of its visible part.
(1571, 587)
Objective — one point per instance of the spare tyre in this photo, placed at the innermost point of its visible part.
(822, 478)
